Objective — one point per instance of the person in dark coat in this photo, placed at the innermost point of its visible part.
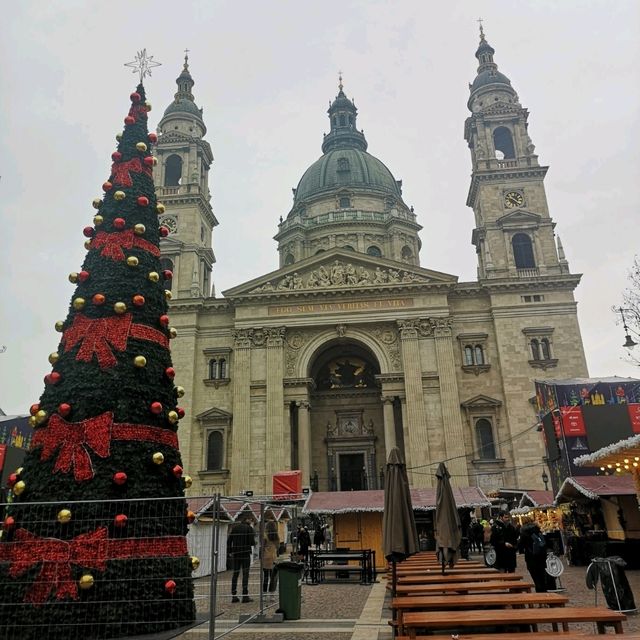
(304, 542)
(504, 539)
(534, 547)
(318, 538)
(241, 538)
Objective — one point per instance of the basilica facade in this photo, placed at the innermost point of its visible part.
(351, 347)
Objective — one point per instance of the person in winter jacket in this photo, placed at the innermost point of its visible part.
(504, 539)
(534, 547)
(270, 544)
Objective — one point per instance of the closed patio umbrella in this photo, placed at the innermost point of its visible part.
(448, 532)
(399, 535)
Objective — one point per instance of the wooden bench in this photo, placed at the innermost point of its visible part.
(541, 635)
(413, 620)
(491, 586)
(406, 571)
(431, 578)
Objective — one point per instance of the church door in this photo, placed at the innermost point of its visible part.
(352, 471)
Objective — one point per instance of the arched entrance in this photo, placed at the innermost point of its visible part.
(346, 418)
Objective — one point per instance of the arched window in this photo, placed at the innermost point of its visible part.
(173, 171)
(523, 251)
(348, 247)
(407, 253)
(478, 354)
(319, 251)
(545, 349)
(374, 251)
(486, 444)
(535, 349)
(468, 355)
(343, 120)
(502, 141)
(167, 265)
(343, 164)
(289, 259)
(222, 368)
(214, 451)
(213, 369)
(345, 202)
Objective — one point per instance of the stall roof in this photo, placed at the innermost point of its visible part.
(593, 487)
(537, 499)
(332, 502)
(627, 448)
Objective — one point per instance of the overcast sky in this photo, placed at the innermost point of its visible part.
(265, 72)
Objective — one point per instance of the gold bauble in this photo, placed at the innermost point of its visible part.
(141, 146)
(139, 229)
(188, 481)
(64, 516)
(73, 277)
(148, 105)
(172, 417)
(119, 195)
(179, 391)
(86, 581)
(118, 136)
(160, 208)
(19, 487)
(33, 421)
(195, 562)
(19, 470)
(155, 161)
(154, 276)
(167, 294)
(54, 356)
(120, 307)
(98, 220)
(41, 416)
(59, 325)
(132, 261)
(158, 458)
(87, 244)
(140, 361)
(97, 203)
(79, 303)
(173, 332)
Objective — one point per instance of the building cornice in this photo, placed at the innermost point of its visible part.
(502, 175)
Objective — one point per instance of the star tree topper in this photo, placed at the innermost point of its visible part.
(142, 64)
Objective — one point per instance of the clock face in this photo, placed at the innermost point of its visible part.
(513, 199)
(170, 222)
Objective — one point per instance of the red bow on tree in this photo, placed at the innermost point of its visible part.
(74, 440)
(113, 244)
(88, 550)
(121, 171)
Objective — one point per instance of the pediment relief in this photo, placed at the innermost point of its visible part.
(501, 108)
(480, 401)
(214, 415)
(519, 218)
(338, 269)
(175, 136)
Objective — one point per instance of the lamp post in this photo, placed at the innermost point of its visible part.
(545, 479)
(629, 342)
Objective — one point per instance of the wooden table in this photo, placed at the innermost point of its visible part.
(413, 620)
(411, 571)
(492, 586)
(431, 578)
(541, 635)
(474, 601)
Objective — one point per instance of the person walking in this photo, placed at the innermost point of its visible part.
(504, 539)
(304, 542)
(318, 538)
(241, 538)
(534, 547)
(270, 545)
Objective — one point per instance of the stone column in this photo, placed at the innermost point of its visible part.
(405, 431)
(304, 441)
(275, 450)
(389, 425)
(241, 429)
(418, 442)
(450, 402)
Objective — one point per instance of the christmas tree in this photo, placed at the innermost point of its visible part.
(93, 544)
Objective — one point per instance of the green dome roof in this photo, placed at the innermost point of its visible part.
(183, 106)
(346, 168)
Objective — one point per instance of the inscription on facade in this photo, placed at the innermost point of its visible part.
(327, 307)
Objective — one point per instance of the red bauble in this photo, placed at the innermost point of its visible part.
(120, 520)
(143, 201)
(116, 156)
(156, 408)
(148, 160)
(129, 120)
(167, 274)
(164, 232)
(164, 321)
(52, 378)
(12, 479)
(119, 223)
(153, 138)
(170, 587)
(9, 522)
(191, 516)
(180, 412)
(135, 97)
(107, 186)
(170, 372)
(120, 477)
(177, 471)
(34, 408)
(83, 276)
(138, 300)
(98, 299)
(88, 232)
(64, 409)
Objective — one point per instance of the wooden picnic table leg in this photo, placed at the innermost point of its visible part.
(601, 628)
(617, 627)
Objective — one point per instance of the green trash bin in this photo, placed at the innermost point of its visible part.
(290, 588)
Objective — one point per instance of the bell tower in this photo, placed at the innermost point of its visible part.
(182, 185)
(513, 235)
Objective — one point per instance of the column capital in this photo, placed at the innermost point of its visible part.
(275, 336)
(387, 399)
(242, 338)
(442, 327)
(303, 404)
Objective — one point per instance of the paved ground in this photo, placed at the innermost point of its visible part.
(354, 611)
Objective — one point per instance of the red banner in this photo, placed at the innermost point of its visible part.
(556, 424)
(572, 421)
(634, 416)
(3, 452)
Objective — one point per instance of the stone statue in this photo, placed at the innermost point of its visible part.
(297, 281)
(323, 274)
(363, 276)
(313, 281)
(351, 274)
(394, 276)
(380, 276)
(337, 274)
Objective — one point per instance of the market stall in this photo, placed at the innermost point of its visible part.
(539, 506)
